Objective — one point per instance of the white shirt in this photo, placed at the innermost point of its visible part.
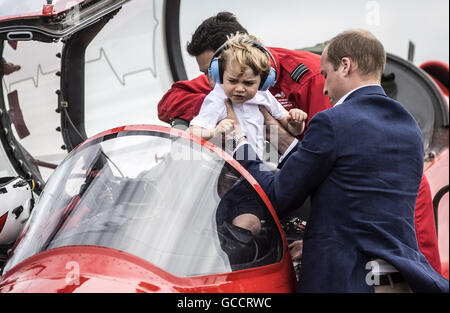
(381, 267)
(250, 118)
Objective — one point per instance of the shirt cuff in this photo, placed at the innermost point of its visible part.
(291, 146)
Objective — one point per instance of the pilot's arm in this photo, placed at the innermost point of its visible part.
(184, 99)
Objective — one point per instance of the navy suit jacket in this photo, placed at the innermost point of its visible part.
(361, 161)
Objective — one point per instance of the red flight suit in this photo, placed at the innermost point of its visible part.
(426, 226)
(299, 85)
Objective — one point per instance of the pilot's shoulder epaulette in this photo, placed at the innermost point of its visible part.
(299, 71)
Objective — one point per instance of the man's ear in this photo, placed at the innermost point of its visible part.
(347, 65)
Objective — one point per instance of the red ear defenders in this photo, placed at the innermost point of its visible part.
(215, 67)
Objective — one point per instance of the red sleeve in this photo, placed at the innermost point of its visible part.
(184, 99)
(425, 226)
(311, 97)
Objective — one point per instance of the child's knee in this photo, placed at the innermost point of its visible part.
(248, 221)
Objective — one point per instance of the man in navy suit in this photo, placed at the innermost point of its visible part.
(361, 161)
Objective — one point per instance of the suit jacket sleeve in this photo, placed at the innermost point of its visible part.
(184, 99)
(302, 173)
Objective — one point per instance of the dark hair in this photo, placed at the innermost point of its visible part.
(213, 32)
(360, 46)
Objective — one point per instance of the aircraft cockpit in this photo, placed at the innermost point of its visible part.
(152, 193)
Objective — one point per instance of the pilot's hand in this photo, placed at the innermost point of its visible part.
(231, 115)
(230, 111)
(296, 250)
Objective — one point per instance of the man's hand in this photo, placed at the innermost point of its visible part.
(230, 111)
(232, 116)
(237, 130)
(296, 250)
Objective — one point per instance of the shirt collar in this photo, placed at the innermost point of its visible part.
(350, 92)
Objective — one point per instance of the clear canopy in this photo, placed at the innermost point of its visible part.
(160, 197)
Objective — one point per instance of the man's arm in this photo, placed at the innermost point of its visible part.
(184, 99)
(305, 169)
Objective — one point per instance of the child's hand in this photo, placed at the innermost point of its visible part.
(296, 121)
(224, 126)
(297, 116)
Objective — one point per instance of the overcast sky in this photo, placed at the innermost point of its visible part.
(300, 23)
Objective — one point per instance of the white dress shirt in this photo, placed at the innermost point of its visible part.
(250, 118)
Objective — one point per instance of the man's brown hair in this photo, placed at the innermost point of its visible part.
(360, 46)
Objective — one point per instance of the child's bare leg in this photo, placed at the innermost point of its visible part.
(248, 221)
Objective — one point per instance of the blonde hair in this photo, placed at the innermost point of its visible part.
(243, 49)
